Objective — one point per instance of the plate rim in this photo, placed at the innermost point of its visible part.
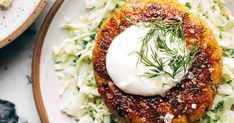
(36, 61)
(19, 30)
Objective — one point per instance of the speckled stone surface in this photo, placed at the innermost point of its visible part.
(15, 71)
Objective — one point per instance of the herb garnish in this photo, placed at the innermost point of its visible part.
(228, 52)
(169, 39)
(188, 4)
(219, 106)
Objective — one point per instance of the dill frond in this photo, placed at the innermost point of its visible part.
(180, 57)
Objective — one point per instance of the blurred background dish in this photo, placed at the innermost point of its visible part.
(17, 18)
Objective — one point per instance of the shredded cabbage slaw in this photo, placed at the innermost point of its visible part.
(74, 66)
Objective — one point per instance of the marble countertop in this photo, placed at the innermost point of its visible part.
(15, 70)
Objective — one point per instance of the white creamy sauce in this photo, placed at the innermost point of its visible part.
(127, 73)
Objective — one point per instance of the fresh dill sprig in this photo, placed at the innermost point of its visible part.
(179, 58)
(156, 69)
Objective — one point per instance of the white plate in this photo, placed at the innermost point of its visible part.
(14, 20)
(45, 80)
(43, 67)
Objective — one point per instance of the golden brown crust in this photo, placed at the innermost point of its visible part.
(206, 69)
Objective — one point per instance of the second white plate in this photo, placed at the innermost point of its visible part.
(17, 18)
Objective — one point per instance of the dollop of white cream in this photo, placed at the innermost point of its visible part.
(125, 70)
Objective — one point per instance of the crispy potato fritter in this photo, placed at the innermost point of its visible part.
(190, 99)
